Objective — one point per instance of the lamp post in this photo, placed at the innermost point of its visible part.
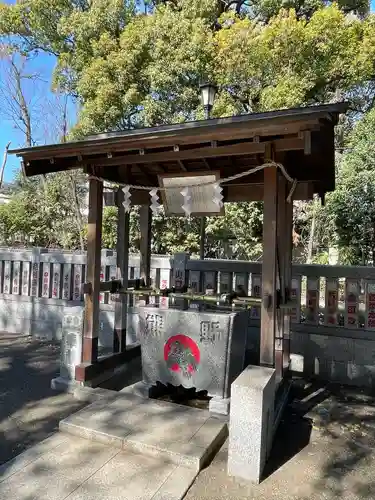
(208, 94)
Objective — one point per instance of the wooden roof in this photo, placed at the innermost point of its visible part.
(301, 138)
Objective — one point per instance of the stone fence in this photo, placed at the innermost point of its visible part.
(333, 323)
(38, 288)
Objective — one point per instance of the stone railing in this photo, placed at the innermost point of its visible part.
(39, 287)
(333, 324)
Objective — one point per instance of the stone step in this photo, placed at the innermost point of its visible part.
(66, 467)
(175, 433)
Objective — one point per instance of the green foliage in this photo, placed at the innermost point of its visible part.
(175, 234)
(292, 61)
(151, 75)
(321, 258)
(350, 210)
(237, 235)
(42, 213)
(130, 68)
(109, 227)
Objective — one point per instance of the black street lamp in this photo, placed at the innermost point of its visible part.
(208, 94)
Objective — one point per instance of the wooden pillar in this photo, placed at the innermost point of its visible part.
(288, 279)
(122, 265)
(145, 246)
(268, 309)
(202, 238)
(94, 240)
(281, 267)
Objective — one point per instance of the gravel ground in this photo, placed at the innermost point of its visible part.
(29, 410)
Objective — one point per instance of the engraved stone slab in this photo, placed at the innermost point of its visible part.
(193, 349)
(71, 343)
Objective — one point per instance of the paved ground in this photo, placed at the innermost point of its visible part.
(70, 468)
(324, 452)
(29, 410)
(169, 431)
(324, 449)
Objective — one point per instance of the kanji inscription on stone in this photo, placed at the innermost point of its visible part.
(210, 332)
(154, 325)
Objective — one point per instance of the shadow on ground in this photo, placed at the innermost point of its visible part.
(336, 426)
(29, 409)
(344, 419)
(324, 448)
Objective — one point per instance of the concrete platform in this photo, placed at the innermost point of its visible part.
(173, 433)
(64, 467)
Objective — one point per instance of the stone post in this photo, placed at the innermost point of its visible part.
(251, 422)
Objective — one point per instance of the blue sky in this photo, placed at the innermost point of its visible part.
(38, 95)
(43, 64)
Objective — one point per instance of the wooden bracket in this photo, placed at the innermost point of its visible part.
(269, 152)
(267, 301)
(305, 135)
(87, 288)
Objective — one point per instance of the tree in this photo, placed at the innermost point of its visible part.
(15, 106)
(349, 216)
(152, 75)
(20, 106)
(129, 68)
(42, 215)
(132, 70)
(3, 163)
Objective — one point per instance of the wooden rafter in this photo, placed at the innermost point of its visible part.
(181, 163)
(302, 139)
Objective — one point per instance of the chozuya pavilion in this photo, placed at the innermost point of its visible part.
(192, 168)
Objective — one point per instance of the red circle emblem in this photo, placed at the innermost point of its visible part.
(182, 354)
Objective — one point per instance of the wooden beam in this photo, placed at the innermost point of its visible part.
(181, 163)
(122, 265)
(162, 167)
(187, 154)
(268, 309)
(206, 164)
(145, 174)
(307, 141)
(254, 192)
(292, 144)
(196, 135)
(145, 246)
(93, 373)
(240, 192)
(94, 239)
(243, 148)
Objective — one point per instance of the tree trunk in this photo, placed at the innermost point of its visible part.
(77, 212)
(2, 169)
(311, 236)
